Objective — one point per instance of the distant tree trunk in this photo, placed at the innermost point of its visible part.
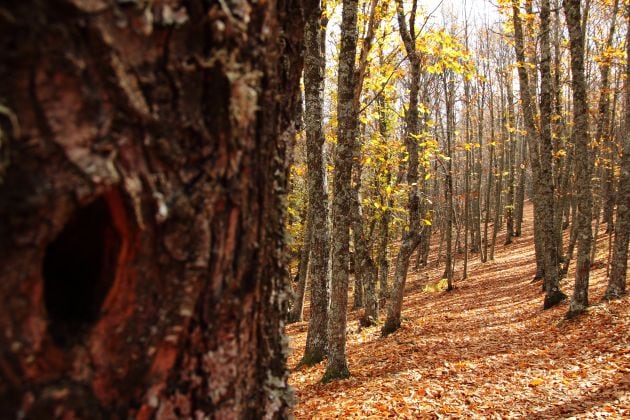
(384, 221)
(603, 138)
(141, 215)
(617, 280)
(519, 200)
(540, 160)
(511, 126)
(553, 295)
(492, 147)
(497, 192)
(314, 68)
(476, 243)
(560, 174)
(364, 266)
(297, 304)
(449, 92)
(468, 151)
(337, 366)
(580, 138)
(411, 236)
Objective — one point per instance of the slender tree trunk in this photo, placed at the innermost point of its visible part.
(553, 295)
(492, 147)
(580, 139)
(617, 280)
(479, 171)
(297, 308)
(337, 366)
(603, 137)
(141, 216)
(449, 88)
(384, 221)
(511, 125)
(412, 235)
(314, 68)
(497, 194)
(519, 203)
(364, 267)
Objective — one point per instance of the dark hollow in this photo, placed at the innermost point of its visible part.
(79, 269)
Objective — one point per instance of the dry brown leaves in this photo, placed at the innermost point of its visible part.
(486, 349)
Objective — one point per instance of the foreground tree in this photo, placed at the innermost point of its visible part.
(141, 237)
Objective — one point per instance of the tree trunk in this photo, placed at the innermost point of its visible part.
(337, 366)
(314, 68)
(617, 281)
(449, 92)
(297, 305)
(384, 221)
(519, 203)
(141, 216)
(511, 127)
(544, 240)
(491, 164)
(580, 139)
(364, 267)
(553, 295)
(411, 236)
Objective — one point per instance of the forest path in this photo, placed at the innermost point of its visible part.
(485, 349)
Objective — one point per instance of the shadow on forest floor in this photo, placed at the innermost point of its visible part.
(486, 348)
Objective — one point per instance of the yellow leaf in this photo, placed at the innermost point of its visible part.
(536, 382)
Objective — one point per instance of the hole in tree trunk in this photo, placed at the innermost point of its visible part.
(79, 268)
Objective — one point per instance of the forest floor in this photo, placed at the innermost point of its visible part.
(486, 349)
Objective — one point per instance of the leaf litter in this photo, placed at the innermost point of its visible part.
(486, 349)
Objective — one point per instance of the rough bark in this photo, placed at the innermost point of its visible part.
(541, 169)
(553, 295)
(141, 216)
(580, 138)
(412, 234)
(314, 68)
(603, 135)
(617, 280)
(337, 366)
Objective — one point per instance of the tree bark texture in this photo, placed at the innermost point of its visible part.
(314, 67)
(337, 366)
(542, 187)
(141, 214)
(580, 137)
(617, 281)
(553, 295)
(411, 235)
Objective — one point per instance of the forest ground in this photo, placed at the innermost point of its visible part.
(486, 349)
